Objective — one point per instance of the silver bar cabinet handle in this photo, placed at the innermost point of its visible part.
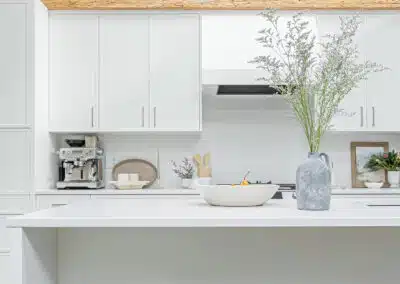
(362, 116)
(154, 116)
(142, 116)
(373, 116)
(92, 116)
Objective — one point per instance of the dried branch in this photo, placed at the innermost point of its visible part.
(313, 79)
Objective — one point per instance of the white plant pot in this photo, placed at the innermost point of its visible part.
(186, 183)
(393, 178)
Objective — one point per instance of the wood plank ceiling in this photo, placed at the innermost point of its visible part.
(221, 4)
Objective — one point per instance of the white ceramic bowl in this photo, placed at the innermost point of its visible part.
(247, 195)
(373, 185)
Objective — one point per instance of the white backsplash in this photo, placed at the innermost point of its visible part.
(260, 136)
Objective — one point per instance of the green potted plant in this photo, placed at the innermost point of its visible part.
(184, 171)
(388, 161)
(313, 78)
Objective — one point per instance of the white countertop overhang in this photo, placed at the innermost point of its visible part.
(196, 213)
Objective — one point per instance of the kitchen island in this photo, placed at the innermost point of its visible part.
(186, 241)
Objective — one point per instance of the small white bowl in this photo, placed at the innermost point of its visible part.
(373, 185)
(237, 195)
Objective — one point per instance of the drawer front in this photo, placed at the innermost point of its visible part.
(15, 204)
(49, 201)
(5, 268)
(5, 239)
(365, 196)
(136, 196)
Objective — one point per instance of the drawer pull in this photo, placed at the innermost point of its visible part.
(57, 205)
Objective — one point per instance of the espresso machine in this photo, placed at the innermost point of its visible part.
(80, 167)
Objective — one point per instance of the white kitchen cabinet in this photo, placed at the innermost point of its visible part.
(175, 72)
(374, 104)
(11, 205)
(124, 72)
(13, 64)
(383, 98)
(73, 72)
(15, 154)
(351, 114)
(229, 41)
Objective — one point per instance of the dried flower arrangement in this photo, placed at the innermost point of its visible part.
(312, 79)
(185, 170)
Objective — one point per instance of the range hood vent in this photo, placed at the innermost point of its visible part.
(246, 90)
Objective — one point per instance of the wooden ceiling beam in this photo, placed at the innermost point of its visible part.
(221, 4)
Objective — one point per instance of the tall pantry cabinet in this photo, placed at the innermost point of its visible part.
(16, 117)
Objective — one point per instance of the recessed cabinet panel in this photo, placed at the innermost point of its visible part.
(124, 72)
(73, 72)
(13, 64)
(16, 166)
(352, 112)
(175, 72)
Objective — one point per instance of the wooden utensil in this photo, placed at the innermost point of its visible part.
(203, 165)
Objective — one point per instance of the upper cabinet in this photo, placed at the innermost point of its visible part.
(73, 72)
(229, 43)
(373, 105)
(13, 65)
(383, 97)
(125, 73)
(175, 72)
(226, 37)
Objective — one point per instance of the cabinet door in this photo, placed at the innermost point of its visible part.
(15, 168)
(73, 66)
(13, 64)
(351, 114)
(5, 268)
(225, 37)
(383, 99)
(175, 72)
(124, 72)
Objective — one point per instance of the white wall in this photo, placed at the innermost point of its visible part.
(260, 135)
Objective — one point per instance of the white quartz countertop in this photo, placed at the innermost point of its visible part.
(196, 213)
(176, 191)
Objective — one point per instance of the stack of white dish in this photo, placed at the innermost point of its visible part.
(129, 181)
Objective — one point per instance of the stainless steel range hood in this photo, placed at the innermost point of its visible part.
(229, 90)
(237, 83)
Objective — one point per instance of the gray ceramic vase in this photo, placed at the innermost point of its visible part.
(313, 183)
